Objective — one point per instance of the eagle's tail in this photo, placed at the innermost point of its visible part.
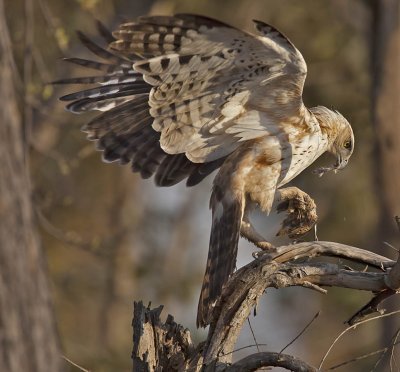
(225, 231)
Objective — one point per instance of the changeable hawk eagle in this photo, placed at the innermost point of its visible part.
(185, 95)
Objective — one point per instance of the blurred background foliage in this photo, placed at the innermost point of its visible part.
(112, 238)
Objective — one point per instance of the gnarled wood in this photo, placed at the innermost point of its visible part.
(158, 344)
(279, 269)
(265, 359)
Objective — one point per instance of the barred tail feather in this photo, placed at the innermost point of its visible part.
(227, 216)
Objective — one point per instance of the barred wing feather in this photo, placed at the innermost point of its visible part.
(188, 89)
(206, 76)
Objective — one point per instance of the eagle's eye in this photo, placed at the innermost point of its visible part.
(347, 145)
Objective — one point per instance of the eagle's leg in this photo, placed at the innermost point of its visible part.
(301, 210)
(248, 232)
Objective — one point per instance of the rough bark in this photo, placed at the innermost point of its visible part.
(157, 344)
(168, 346)
(386, 112)
(28, 338)
(385, 62)
(259, 360)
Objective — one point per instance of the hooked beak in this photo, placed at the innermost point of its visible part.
(340, 163)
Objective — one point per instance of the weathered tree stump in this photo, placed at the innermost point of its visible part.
(168, 347)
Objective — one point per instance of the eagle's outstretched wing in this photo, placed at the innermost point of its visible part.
(213, 86)
(179, 94)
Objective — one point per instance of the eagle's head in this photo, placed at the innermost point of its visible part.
(343, 144)
(339, 135)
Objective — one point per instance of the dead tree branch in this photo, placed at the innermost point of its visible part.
(259, 360)
(170, 345)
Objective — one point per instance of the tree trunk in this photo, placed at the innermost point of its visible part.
(386, 112)
(28, 337)
(386, 120)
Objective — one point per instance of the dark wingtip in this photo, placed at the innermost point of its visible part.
(85, 40)
(70, 59)
(259, 24)
(104, 32)
(67, 97)
(60, 81)
(165, 182)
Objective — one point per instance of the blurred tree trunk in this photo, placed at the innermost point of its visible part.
(28, 338)
(386, 119)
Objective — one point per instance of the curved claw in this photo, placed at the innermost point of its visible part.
(265, 246)
(301, 211)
